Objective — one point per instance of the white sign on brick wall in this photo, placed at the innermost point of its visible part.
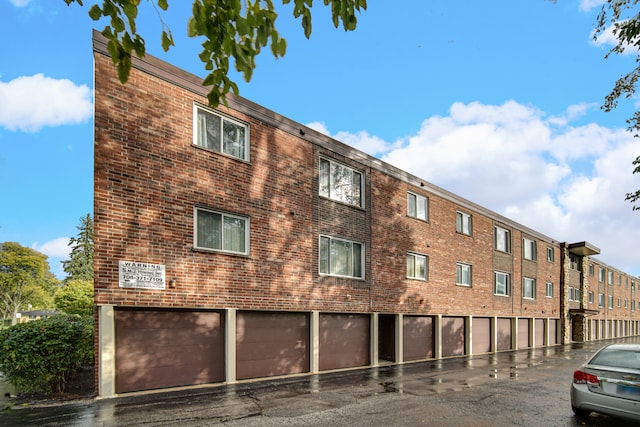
(141, 275)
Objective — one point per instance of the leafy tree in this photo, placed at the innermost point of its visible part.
(42, 355)
(25, 279)
(76, 297)
(623, 19)
(232, 30)
(80, 264)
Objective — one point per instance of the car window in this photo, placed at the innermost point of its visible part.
(618, 357)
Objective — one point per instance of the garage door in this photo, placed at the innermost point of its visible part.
(523, 333)
(504, 334)
(344, 341)
(452, 336)
(159, 349)
(418, 337)
(269, 344)
(481, 341)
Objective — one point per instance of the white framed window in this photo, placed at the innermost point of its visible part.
(502, 239)
(417, 266)
(549, 290)
(502, 283)
(463, 274)
(417, 206)
(601, 300)
(590, 297)
(600, 274)
(619, 302)
(340, 257)
(576, 295)
(610, 277)
(220, 133)
(529, 249)
(528, 288)
(341, 183)
(550, 254)
(463, 223)
(221, 231)
(591, 270)
(610, 299)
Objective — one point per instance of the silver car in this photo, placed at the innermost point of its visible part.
(609, 383)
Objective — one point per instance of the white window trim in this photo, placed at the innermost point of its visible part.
(532, 245)
(550, 254)
(362, 257)
(418, 197)
(362, 201)
(533, 288)
(426, 266)
(469, 222)
(462, 264)
(507, 243)
(223, 214)
(548, 285)
(247, 137)
(508, 284)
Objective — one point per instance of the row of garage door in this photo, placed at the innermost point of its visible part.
(161, 349)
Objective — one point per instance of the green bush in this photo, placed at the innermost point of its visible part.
(42, 355)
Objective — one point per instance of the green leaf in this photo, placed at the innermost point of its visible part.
(95, 12)
(162, 4)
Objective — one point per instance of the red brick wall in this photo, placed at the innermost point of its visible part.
(149, 177)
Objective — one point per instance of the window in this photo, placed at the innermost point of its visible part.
(463, 223)
(570, 293)
(610, 299)
(600, 300)
(591, 270)
(463, 274)
(549, 290)
(502, 283)
(340, 183)
(590, 297)
(529, 288)
(341, 257)
(550, 254)
(502, 239)
(600, 274)
(576, 294)
(573, 262)
(610, 277)
(417, 266)
(221, 232)
(219, 133)
(619, 280)
(619, 303)
(417, 206)
(529, 249)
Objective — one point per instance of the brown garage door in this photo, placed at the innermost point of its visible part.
(158, 349)
(553, 331)
(539, 332)
(344, 341)
(418, 337)
(452, 336)
(481, 342)
(504, 334)
(523, 333)
(269, 344)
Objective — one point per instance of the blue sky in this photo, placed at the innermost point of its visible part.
(498, 101)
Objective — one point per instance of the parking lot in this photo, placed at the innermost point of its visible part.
(519, 388)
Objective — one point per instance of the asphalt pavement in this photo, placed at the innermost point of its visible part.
(516, 388)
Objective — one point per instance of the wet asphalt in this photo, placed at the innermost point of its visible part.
(517, 388)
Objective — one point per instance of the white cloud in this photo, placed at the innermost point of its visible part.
(56, 248)
(20, 3)
(29, 103)
(565, 181)
(588, 5)
(361, 140)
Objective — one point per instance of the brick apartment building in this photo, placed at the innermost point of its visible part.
(235, 244)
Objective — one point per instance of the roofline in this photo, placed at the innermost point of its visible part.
(188, 81)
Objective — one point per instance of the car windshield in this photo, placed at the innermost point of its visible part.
(622, 358)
